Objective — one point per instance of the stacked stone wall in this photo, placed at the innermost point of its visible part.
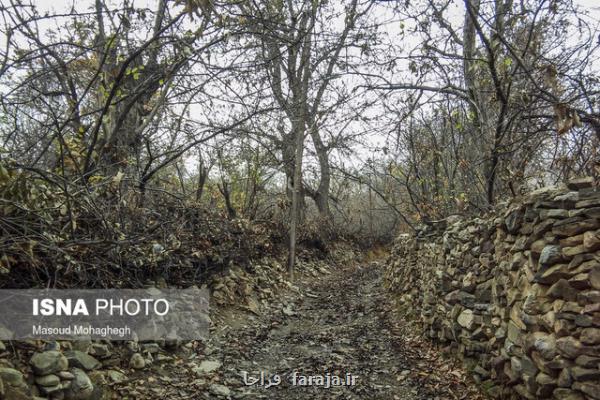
(515, 294)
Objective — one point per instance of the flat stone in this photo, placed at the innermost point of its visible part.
(562, 290)
(49, 390)
(47, 380)
(151, 348)
(550, 275)
(571, 241)
(569, 252)
(12, 377)
(588, 203)
(580, 183)
(206, 367)
(590, 389)
(219, 390)
(550, 254)
(79, 359)
(569, 347)
(580, 281)
(586, 361)
(585, 374)
(66, 375)
(567, 394)
(116, 376)
(48, 362)
(574, 226)
(590, 336)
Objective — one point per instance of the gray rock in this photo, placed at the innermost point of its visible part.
(54, 345)
(66, 375)
(100, 350)
(562, 290)
(79, 359)
(47, 380)
(587, 361)
(513, 221)
(2, 346)
(206, 367)
(591, 389)
(12, 377)
(567, 394)
(466, 319)
(585, 374)
(219, 390)
(569, 347)
(82, 345)
(151, 348)
(580, 183)
(137, 361)
(116, 376)
(48, 390)
(551, 254)
(81, 387)
(545, 344)
(48, 362)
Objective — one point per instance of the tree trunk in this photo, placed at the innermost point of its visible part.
(322, 195)
(296, 193)
(202, 176)
(224, 189)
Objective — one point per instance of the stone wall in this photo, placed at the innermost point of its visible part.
(516, 294)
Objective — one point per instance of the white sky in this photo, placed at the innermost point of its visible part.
(455, 13)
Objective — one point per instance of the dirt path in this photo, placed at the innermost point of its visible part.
(339, 324)
(336, 323)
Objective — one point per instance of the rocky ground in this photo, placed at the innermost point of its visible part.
(332, 321)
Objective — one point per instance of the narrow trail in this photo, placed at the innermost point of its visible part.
(337, 323)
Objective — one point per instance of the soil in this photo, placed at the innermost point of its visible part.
(333, 324)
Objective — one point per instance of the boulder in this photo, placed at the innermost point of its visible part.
(48, 362)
